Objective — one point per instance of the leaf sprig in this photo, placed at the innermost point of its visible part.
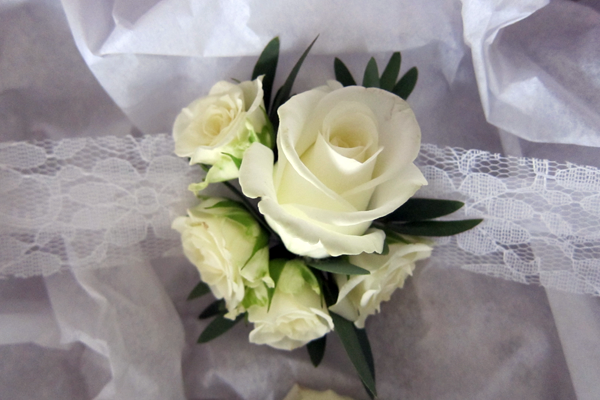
(387, 80)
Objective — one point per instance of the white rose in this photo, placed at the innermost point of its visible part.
(361, 295)
(297, 314)
(229, 249)
(300, 393)
(217, 129)
(345, 158)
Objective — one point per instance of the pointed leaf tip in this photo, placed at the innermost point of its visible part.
(390, 74)
(342, 73)
(407, 83)
(371, 76)
(267, 65)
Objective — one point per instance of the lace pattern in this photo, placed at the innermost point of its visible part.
(100, 202)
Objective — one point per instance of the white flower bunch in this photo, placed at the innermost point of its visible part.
(336, 229)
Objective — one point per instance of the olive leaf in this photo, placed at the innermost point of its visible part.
(390, 74)
(316, 350)
(407, 83)
(434, 228)
(283, 94)
(371, 76)
(217, 327)
(199, 290)
(358, 349)
(267, 65)
(217, 307)
(337, 265)
(417, 209)
(342, 74)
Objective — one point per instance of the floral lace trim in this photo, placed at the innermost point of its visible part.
(107, 201)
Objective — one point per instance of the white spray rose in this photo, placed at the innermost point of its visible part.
(229, 248)
(345, 158)
(300, 393)
(297, 314)
(361, 295)
(217, 129)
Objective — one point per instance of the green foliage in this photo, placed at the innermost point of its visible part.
(371, 76)
(316, 350)
(217, 327)
(199, 290)
(337, 265)
(390, 73)
(407, 83)
(342, 74)
(416, 209)
(217, 307)
(358, 349)
(283, 94)
(434, 228)
(267, 65)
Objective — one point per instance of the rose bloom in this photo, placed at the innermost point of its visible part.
(345, 158)
(296, 315)
(300, 393)
(223, 124)
(361, 295)
(219, 237)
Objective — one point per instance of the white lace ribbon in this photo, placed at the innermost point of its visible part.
(105, 201)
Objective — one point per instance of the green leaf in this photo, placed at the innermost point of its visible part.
(275, 269)
(416, 209)
(407, 83)
(359, 355)
(215, 308)
(342, 74)
(217, 327)
(434, 228)
(371, 77)
(200, 290)
(267, 65)
(284, 92)
(338, 265)
(390, 74)
(316, 350)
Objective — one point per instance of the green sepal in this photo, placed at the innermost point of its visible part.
(217, 327)
(358, 349)
(337, 265)
(217, 307)
(390, 74)
(266, 135)
(434, 228)
(371, 76)
(267, 65)
(342, 73)
(416, 209)
(407, 83)
(199, 290)
(275, 269)
(386, 248)
(227, 203)
(316, 350)
(262, 240)
(283, 94)
(236, 161)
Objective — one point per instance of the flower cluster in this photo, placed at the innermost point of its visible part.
(333, 234)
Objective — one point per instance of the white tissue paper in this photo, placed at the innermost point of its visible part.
(497, 76)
